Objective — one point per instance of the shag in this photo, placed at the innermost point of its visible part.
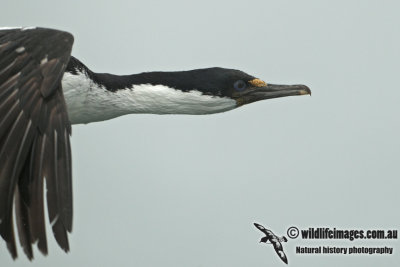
(274, 240)
(43, 90)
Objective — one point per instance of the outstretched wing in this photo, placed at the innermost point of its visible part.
(279, 250)
(34, 137)
(261, 228)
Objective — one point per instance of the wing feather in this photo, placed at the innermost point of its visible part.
(260, 227)
(36, 212)
(34, 137)
(279, 250)
(22, 212)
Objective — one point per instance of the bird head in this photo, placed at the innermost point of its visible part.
(264, 239)
(213, 90)
(245, 88)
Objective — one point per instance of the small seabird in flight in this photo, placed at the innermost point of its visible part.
(274, 240)
(43, 90)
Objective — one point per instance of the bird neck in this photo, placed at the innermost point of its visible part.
(92, 97)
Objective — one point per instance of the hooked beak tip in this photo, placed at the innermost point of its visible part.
(305, 90)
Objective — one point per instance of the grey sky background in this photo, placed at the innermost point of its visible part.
(185, 190)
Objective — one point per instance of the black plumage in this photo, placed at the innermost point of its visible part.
(210, 81)
(34, 137)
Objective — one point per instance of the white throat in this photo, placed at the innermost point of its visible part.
(88, 102)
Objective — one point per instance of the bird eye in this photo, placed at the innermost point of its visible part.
(239, 85)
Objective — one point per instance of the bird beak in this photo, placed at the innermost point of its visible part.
(278, 90)
(272, 91)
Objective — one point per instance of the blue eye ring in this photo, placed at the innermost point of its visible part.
(240, 85)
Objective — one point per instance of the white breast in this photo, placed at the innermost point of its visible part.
(89, 102)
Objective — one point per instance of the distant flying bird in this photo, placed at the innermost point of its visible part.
(43, 90)
(274, 240)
